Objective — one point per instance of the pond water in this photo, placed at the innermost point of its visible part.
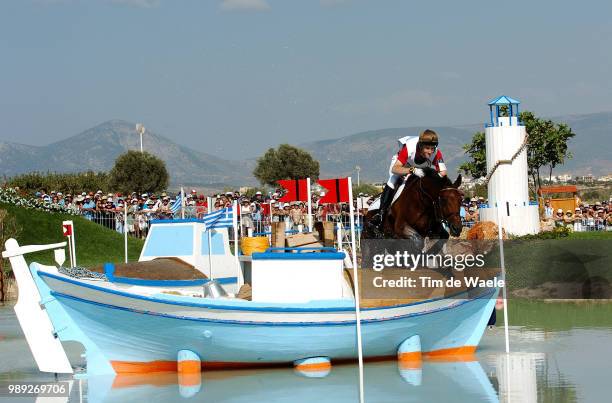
(561, 352)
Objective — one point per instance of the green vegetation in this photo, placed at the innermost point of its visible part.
(546, 147)
(555, 316)
(138, 172)
(286, 162)
(62, 182)
(476, 165)
(366, 189)
(94, 243)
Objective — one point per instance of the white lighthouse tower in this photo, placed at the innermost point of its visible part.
(507, 172)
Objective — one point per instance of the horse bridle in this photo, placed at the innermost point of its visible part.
(436, 204)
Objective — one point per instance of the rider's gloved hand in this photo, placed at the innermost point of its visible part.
(418, 172)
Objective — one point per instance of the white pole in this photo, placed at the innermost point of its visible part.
(235, 226)
(73, 239)
(356, 281)
(309, 205)
(125, 230)
(70, 250)
(503, 268)
(140, 129)
(209, 255)
(182, 202)
(339, 234)
(209, 204)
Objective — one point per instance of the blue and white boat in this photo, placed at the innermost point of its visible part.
(302, 312)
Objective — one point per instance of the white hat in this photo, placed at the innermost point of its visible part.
(559, 210)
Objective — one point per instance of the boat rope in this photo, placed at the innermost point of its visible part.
(499, 162)
(81, 272)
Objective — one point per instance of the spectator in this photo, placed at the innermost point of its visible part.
(548, 211)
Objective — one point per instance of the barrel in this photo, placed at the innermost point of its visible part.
(248, 245)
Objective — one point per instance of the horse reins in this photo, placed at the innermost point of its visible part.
(436, 205)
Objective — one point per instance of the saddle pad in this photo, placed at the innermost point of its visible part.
(376, 204)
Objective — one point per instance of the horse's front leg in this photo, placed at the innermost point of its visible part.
(416, 241)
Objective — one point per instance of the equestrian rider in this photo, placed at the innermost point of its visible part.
(415, 154)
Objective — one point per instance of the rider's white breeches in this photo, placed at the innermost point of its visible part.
(393, 178)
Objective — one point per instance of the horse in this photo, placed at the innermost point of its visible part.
(422, 208)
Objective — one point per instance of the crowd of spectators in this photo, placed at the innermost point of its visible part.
(258, 211)
(255, 212)
(585, 217)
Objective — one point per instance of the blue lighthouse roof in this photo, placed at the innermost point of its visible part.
(504, 100)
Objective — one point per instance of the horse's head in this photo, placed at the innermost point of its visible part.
(450, 198)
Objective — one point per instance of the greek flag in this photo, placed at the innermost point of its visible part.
(177, 204)
(219, 219)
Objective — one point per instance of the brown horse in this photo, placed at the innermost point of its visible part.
(421, 210)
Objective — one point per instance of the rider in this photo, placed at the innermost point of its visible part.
(415, 153)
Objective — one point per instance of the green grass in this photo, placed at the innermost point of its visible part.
(95, 244)
(591, 235)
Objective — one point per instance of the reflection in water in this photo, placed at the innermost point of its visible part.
(560, 354)
(384, 382)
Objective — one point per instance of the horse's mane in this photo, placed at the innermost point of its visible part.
(432, 174)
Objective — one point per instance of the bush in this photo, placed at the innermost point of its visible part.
(287, 162)
(138, 172)
(63, 182)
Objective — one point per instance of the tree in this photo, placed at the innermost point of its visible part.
(365, 188)
(546, 146)
(286, 162)
(138, 172)
(476, 167)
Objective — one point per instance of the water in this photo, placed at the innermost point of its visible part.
(560, 353)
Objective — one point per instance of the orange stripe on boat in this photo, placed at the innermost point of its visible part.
(455, 354)
(317, 366)
(410, 360)
(189, 367)
(137, 367)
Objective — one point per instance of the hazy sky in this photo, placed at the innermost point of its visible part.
(234, 77)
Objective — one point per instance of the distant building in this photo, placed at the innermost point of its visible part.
(586, 178)
(607, 178)
(562, 178)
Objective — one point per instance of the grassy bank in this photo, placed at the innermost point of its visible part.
(95, 244)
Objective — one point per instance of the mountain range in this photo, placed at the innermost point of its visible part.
(97, 148)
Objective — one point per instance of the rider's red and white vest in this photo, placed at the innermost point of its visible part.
(408, 152)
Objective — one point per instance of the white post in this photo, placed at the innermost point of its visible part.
(209, 254)
(235, 227)
(125, 230)
(140, 129)
(182, 202)
(209, 204)
(309, 205)
(339, 234)
(356, 281)
(503, 267)
(70, 250)
(73, 240)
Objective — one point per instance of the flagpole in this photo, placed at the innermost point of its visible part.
(356, 281)
(309, 205)
(182, 202)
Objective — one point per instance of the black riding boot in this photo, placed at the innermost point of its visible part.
(385, 202)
